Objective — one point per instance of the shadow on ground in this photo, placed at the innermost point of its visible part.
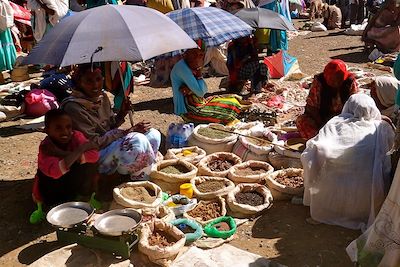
(13, 131)
(353, 57)
(16, 206)
(163, 105)
(300, 243)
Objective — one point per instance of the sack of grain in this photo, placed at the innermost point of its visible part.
(161, 251)
(173, 170)
(206, 211)
(138, 195)
(279, 161)
(249, 199)
(161, 212)
(284, 184)
(191, 154)
(206, 187)
(212, 140)
(218, 164)
(250, 172)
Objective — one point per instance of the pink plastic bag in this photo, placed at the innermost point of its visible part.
(39, 101)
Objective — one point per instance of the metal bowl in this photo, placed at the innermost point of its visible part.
(69, 214)
(118, 222)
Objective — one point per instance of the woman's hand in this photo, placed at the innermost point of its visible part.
(198, 73)
(142, 127)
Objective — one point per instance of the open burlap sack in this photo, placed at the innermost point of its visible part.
(123, 199)
(229, 186)
(196, 154)
(206, 171)
(256, 178)
(212, 145)
(222, 204)
(161, 212)
(279, 161)
(280, 191)
(173, 178)
(161, 255)
(248, 210)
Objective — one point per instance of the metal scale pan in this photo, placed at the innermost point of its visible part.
(69, 214)
(118, 222)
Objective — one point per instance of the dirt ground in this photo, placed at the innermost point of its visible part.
(281, 234)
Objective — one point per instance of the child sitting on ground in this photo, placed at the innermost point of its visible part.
(67, 165)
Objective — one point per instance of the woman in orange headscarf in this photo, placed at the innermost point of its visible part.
(328, 93)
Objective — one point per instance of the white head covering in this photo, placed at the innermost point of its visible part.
(362, 107)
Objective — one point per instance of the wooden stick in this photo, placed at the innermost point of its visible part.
(130, 113)
(256, 138)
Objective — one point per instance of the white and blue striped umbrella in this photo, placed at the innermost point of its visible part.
(212, 25)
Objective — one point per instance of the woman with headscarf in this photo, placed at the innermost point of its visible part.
(379, 245)
(383, 90)
(347, 166)
(328, 93)
(189, 88)
(131, 151)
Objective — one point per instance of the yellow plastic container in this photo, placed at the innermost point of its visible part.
(186, 190)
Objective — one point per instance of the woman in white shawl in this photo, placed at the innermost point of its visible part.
(346, 166)
(46, 14)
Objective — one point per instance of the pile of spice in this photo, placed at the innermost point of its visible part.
(250, 171)
(210, 186)
(186, 229)
(290, 181)
(138, 193)
(212, 133)
(186, 153)
(161, 239)
(175, 169)
(222, 227)
(220, 165)
(249, 198)
(206, 211)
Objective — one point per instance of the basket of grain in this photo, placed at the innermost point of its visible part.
(207, 137)
(138, 195)
(218, 164)
(249, 199)
(205, 187)
(173, 171)
(284, 184)
(191, 154)
(206, 211)
(250, 172)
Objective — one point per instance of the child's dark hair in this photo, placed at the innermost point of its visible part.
(53, 115)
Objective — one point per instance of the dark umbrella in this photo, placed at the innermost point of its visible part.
(264, 18)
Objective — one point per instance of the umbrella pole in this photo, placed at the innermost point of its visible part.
(130, 113)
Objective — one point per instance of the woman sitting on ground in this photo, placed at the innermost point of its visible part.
(347, 166)
(243, 65)
(328, 93)
(383, 90)
(189, 88)
(332, 16)
(131, 151)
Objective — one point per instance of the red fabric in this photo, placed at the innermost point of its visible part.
(54, 167)
(334, 67)
(21, 14)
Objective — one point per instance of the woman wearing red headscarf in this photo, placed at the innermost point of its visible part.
(328, 93)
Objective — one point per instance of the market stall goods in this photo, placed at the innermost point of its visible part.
(208, 138)
(138, 195)
(250, 172)
(218, 164)
(206, 187)
(173, 171)
(248, 200)
(206, 211)
(190, 154)
(284, 184)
